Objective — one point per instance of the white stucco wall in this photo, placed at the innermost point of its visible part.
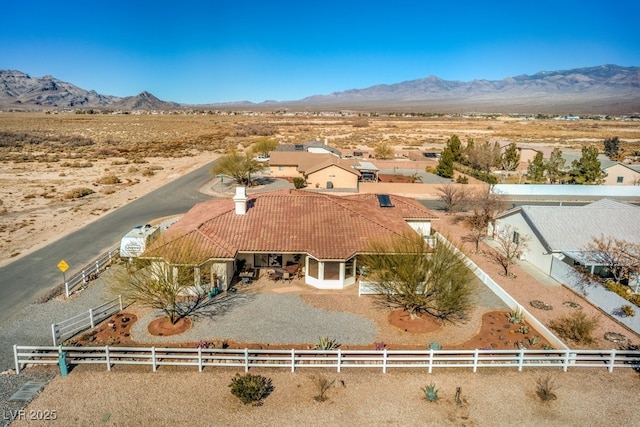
(536, 254)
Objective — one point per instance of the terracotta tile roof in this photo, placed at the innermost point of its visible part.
(296, 221)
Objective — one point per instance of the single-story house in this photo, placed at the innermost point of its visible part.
(562, 233)
(315, 147)
(319, 170)
(321, 233)
(619, 173)
(527, 152)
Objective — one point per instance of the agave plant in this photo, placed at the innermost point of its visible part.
(430, 393)
(325, 343)
(515, 316)
(435, 345)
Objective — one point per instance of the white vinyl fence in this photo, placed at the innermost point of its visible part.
(89, 271)
(334, 359)
(68, 328)
(504, 296)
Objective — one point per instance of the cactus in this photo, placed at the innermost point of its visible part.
(430, 393)
(524, 329)
(534, 340)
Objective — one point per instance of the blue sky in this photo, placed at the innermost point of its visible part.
(218, 51)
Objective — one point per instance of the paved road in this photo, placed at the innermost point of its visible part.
(25, 279)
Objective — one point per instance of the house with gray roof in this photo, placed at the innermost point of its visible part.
(562, 233)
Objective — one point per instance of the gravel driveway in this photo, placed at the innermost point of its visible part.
(276, 319)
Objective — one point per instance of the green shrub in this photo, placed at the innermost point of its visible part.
(251, 388)
(299, 182)
(576, 327)
(515, 316)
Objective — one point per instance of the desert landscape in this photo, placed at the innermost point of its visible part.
(47, 158)
(50, 160)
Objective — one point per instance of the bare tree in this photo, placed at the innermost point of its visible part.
(453, 196)
(620, 257)
(165, 281)
(411, 275)
(511, 245)
(483, 156)
(485, 206)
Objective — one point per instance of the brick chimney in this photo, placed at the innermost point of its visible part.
(240, 199)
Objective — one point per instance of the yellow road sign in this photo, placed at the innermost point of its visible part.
(63, 266)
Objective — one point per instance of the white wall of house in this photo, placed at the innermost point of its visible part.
(421, 227)
(329, 275)
(536, 254)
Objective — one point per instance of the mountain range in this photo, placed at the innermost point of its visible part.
(605, 89)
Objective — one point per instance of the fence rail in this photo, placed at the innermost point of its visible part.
(70, 327)
(89, 271)
(335, 359)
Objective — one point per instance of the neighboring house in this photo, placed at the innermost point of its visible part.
(562, 233)
(310, 147)
(619, 173)
(323, 171)
(527, 152)
(321, 233)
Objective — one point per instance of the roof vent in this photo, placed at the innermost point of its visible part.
(384, 200)
(240, 199)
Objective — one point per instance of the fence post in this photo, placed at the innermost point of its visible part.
(475, 360)
(91, 318)
(15, 358)
(565, 363)
(430, 360)
(521, 360)
(293, 360)
(384, 360)
(246, 359)
(339, 356)
(97, 267)
(66, 288)
(120, 300)
(153, 358)
(108, 357)
(53, 334)
(612, 361)
(199, 359)
(84, 278)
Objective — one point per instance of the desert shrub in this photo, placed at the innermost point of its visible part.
(251, 388)
(322, 384)
(299, 182)
(148, 172)
(108, 191)
(109, 180)
(627, 310)
(461, 179)
(325, 343)
(545, 387)
(576, 327)
(77, 193)
(434, 345)
(132, 169)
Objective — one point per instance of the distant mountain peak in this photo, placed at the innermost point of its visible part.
(602, 89)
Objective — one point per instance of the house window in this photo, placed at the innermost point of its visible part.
(620, 179)
(516, 237)
(332, 270)
(313, 268)
(348, 268)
